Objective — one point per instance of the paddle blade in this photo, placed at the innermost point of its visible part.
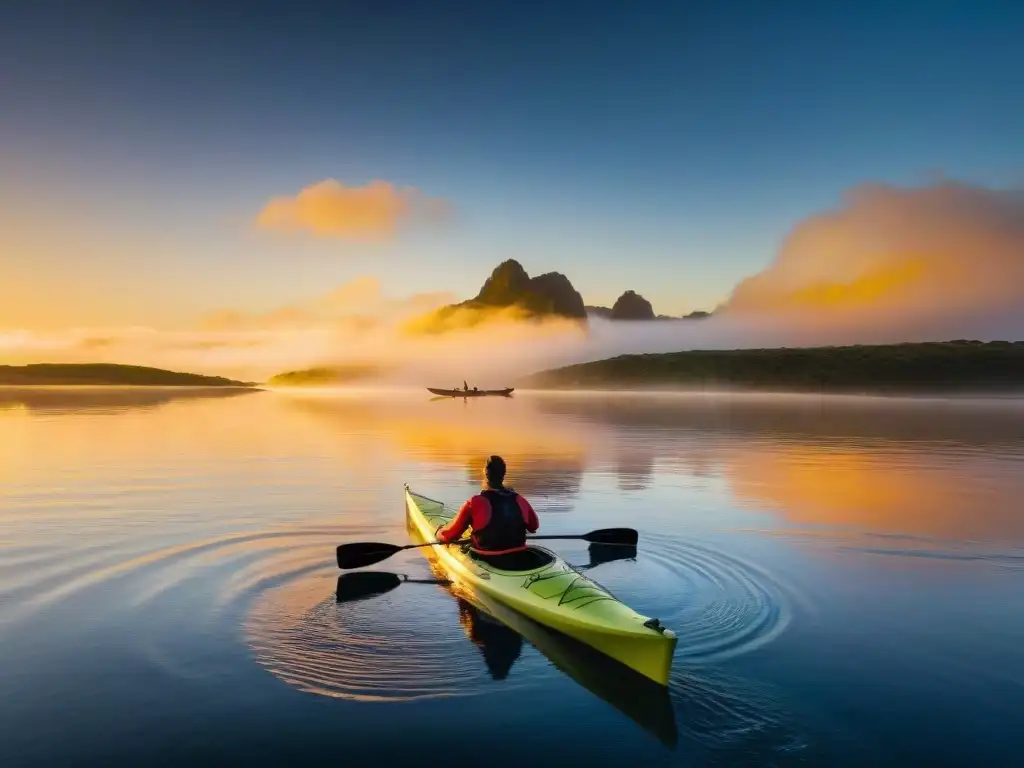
(626, 536)
(363, 553)
(360, 586)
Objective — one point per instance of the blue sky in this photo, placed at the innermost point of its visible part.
(663, 147)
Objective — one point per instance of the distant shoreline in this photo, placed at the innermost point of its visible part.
(927, 368)
(109, 375)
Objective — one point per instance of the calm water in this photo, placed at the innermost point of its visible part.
(846, 577)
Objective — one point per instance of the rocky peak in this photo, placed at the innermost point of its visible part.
(559, 295)
(632, 306)
(507, 283)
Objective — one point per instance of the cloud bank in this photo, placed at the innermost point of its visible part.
(360, 304)
(904, 260)
(373, 213)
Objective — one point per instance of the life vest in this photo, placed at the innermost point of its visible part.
(506, 529)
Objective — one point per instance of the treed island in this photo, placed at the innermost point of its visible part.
(510, 293)
(106, 375)
(934, 367)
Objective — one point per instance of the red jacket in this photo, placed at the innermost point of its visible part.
(476, 512)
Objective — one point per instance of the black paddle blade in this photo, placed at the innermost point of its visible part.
(360, 554)
(607, 553)
(613, 536)
(360, 586)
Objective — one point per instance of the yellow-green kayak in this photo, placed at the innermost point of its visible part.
(554, 594)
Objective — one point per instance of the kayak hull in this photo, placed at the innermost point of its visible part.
(471, 392)
(555, 595)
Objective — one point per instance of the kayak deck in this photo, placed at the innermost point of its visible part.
(556, 595)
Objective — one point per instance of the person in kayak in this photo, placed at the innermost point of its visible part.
(500, 517)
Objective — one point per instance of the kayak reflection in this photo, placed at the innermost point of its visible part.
(499, 645)
(498, 631)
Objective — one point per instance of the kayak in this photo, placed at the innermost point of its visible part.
(555, 595)
(471, 392)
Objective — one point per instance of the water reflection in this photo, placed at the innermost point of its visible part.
(943, 469)
(546, 460)
(187, 548)
(634, 467)
(877, 489)
(923, 422)
(556, 480)
(600, 554)
(499, 645)
(394, 643)
(498, 633)
(108, 400)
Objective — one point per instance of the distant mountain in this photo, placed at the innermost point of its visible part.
(106, 374)
(632, 306)
(511, 292)
(547, 294)
(608, 313)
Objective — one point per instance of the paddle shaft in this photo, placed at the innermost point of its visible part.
(361, 554)
(437, 543)
(528, 538)
(582, 536)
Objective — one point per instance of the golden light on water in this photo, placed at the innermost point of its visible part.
(870, 488)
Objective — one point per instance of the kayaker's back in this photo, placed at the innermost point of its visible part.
(499, 517)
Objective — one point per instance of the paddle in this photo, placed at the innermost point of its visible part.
(367, 584)
(363, 585)
(360, 554)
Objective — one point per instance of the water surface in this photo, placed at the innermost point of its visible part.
(845, 576)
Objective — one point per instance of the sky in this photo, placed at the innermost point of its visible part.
(161, 161)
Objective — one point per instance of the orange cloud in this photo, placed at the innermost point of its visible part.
(892, 254)
(371, 213)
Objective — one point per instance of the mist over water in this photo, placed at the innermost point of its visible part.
(887, 265)
(844, 575)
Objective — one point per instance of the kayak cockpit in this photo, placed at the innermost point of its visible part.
(530, 559)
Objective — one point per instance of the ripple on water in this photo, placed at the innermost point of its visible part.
(407, 644)
(395, 647)
(417, 642)
(143, 575)
(720, 605)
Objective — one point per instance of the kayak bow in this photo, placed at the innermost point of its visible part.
(553, 594)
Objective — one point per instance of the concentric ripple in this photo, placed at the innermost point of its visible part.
(396, 646)
(189, 605)
(719, 604)
(406, 645)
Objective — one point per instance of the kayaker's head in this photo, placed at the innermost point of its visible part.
(494, 471)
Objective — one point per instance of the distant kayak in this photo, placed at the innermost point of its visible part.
(471, 392)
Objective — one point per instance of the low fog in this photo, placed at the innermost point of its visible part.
(889, 265)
